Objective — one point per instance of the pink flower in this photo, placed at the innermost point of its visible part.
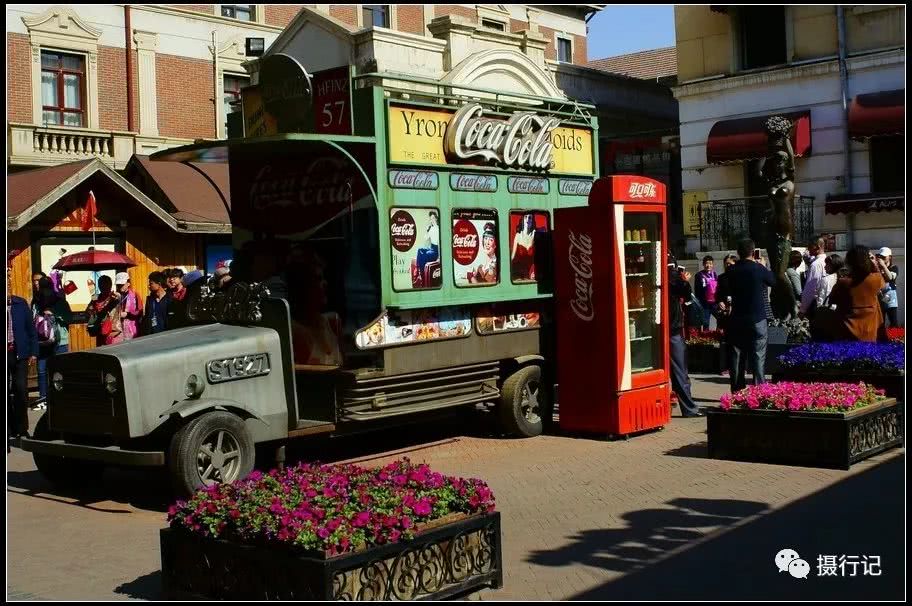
(422, 507)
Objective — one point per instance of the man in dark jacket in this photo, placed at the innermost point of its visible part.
(21, 351)
(679, 292)
(747, 283)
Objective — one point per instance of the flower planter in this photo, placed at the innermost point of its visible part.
(814, 439)
(892, 384)
(773, 351)
(702, 358)
(445, 559)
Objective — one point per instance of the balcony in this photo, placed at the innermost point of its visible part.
(31, 145)
(724, 222)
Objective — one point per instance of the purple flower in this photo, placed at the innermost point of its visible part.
(422, 507)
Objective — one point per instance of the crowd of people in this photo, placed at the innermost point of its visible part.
(851, 299)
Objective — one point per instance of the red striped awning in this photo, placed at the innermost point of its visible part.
(874, 114)
(745, 138)
(864, 203)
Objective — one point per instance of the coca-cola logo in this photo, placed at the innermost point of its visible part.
(412, 179)
(570, 187)
(403, 231)
(523, 141)
(477, 183)
(642, 190)
(579, 255)
(324, 182)
(465, 242)
(528, 185)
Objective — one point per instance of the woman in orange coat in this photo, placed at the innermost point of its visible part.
(858, 313)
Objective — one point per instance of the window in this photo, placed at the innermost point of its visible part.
(564, 50)
(492, 24)
(243, 12)
(475, 249)
(887, 164)
(415, 242)
(62, 89)
(763, 40)
(376, 15)
(232, 95)
(527, 227)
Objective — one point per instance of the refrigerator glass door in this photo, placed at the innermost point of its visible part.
(643, 267)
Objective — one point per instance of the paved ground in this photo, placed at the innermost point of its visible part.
(647, 518)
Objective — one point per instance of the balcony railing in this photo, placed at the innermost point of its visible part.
(724, 222)
(31, 145)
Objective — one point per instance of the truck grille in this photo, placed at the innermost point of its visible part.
(84, 390)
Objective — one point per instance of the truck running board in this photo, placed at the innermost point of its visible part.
(380, 397)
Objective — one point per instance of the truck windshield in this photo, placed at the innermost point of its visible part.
(305, 224)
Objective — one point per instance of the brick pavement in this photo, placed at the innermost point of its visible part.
(581, 518)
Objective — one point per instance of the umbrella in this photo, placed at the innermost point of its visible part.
(94, 260)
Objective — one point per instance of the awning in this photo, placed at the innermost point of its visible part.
(745, 138)
(882, 113)
(864, 203)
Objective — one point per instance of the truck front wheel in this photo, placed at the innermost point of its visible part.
(522, 402)
(64, 471)
(213, 447)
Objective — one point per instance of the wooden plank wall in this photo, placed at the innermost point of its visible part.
(151, 248)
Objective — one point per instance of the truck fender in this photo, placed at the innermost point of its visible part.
(188, 408)
(530, 358)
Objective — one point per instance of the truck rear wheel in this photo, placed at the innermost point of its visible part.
(214, 447)
(64, 471)
(522, 402)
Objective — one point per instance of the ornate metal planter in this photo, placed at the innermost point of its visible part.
(449, 560)
(704, 359)
(814, 439)
(892, 384)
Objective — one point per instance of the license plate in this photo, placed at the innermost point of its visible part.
(238, 367)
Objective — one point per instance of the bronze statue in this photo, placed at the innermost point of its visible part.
(778, 170)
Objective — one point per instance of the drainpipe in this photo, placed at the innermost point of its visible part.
(846, 142)
(128, 38)
(215, 82)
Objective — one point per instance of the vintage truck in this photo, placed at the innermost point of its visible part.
(397, 291)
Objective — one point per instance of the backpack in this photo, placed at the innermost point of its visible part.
(47, 329)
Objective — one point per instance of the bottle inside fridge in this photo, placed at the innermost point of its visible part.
(641, 262)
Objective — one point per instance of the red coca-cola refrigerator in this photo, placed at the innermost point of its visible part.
(611, 307)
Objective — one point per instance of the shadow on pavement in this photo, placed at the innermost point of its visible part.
(698, 450)
(146, 587)
(141, 489)
(861, 515)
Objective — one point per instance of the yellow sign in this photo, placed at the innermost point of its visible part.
(257, 121)
(417, 136)
(692, 201)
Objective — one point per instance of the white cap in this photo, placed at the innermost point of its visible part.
(122, 277)
(884, 252)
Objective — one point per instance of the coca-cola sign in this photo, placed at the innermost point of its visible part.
(403, 231)
(324, 182)
(579, 255)
(413, 179)
(528, 185)
(523, 141)
(475, 183)
(465, 242)
(574, 187)
(641, 190)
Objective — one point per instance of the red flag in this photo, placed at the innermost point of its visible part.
(88, 215)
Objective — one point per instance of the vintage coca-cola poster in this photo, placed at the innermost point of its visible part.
(410, 325)
(415, 243)
(526, 226)
(475, 247)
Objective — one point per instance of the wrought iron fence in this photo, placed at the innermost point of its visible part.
(724, 222)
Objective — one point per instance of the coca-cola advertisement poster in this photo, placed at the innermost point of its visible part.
(410, 325)
(475, 247)
(526, 226)
(415, 247)
(497, 318)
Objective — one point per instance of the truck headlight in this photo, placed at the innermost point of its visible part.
(57, 381)
(194, 387)
(110, 382)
